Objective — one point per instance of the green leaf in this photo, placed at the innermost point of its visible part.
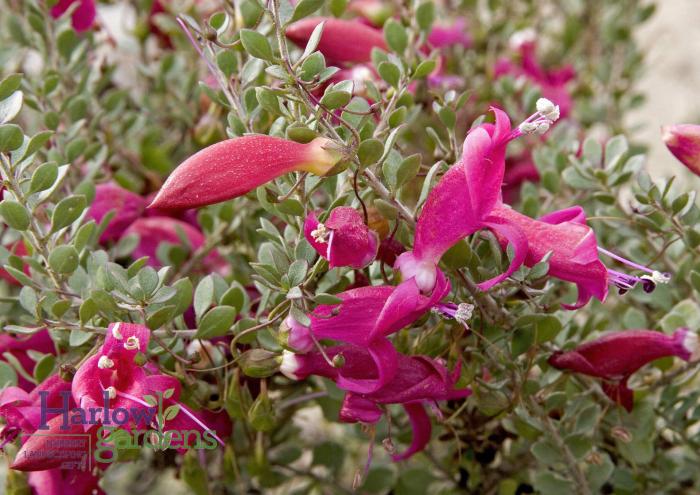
(314, 40)
(390, 73)
(160, 317)
(425, 15)
(44, 367)
(63, 259)
(312, 65)
(15, 215)
(8, 376)
(408, 169)
(28, 299)
(305, 8)
(9, 85)
(78, 337)
(226, 60)
(424, 69)
(329, 454)
(36, 142)
(203, 296)
(216, 323)
(256, 44)
(335, 99)
(328, 299)
(549, 483)
(11, 137)
(370, 151)
(67, 211)
(395, 36)
(297, 272)
(10, 107)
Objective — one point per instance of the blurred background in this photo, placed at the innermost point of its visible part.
(671, 42)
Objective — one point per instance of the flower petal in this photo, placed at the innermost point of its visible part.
(420, 423)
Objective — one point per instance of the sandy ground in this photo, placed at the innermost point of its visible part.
(671, 42)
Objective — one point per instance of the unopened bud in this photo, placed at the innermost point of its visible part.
(140, 359)
(621, 433)
(66, 372)
(594, 458)
(259, 363)
(261, 416)
(338, 361)
(683, 140)
(389, 445)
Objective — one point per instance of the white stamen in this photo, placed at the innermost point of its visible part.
(320, 233)
(464, 313)
(657, 277)
(527, 127)
(542, 127)
(554, 114)
(544, 106)
(111, 392)
(116, 333)
(132, 343)
(290, 365)
(105, 363)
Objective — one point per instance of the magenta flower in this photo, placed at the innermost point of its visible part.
(461, 203)
(21, 410)
(114, 372)
(552, 83)
(617, 355)
(418, 380)
(342, 41)
(467, 199)
(127, 206)
(454, 34)
(233, 167)
(683, 140)
(19, 346)
(83, 16)
(152, 231)
(22, 414)
(366, 317)
(343, 239)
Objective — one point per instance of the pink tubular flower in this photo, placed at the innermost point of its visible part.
(342, 41)
(615, 356)
(344, 239)
(127, 206)
(366, 317)
(461, 203)
(22, 414)
(418, 380)
(83, 16)
(233, 167)
(18, 346)
(455, 34)
(683, 140)
(467, 199)
(154, 230)
(114, 372)
(552, 83)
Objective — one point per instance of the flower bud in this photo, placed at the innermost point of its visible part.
(236, 166)
(338, 361)
(342, 40)
(259, 363)
(683, 140)
(621, 433)
(261, 415)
